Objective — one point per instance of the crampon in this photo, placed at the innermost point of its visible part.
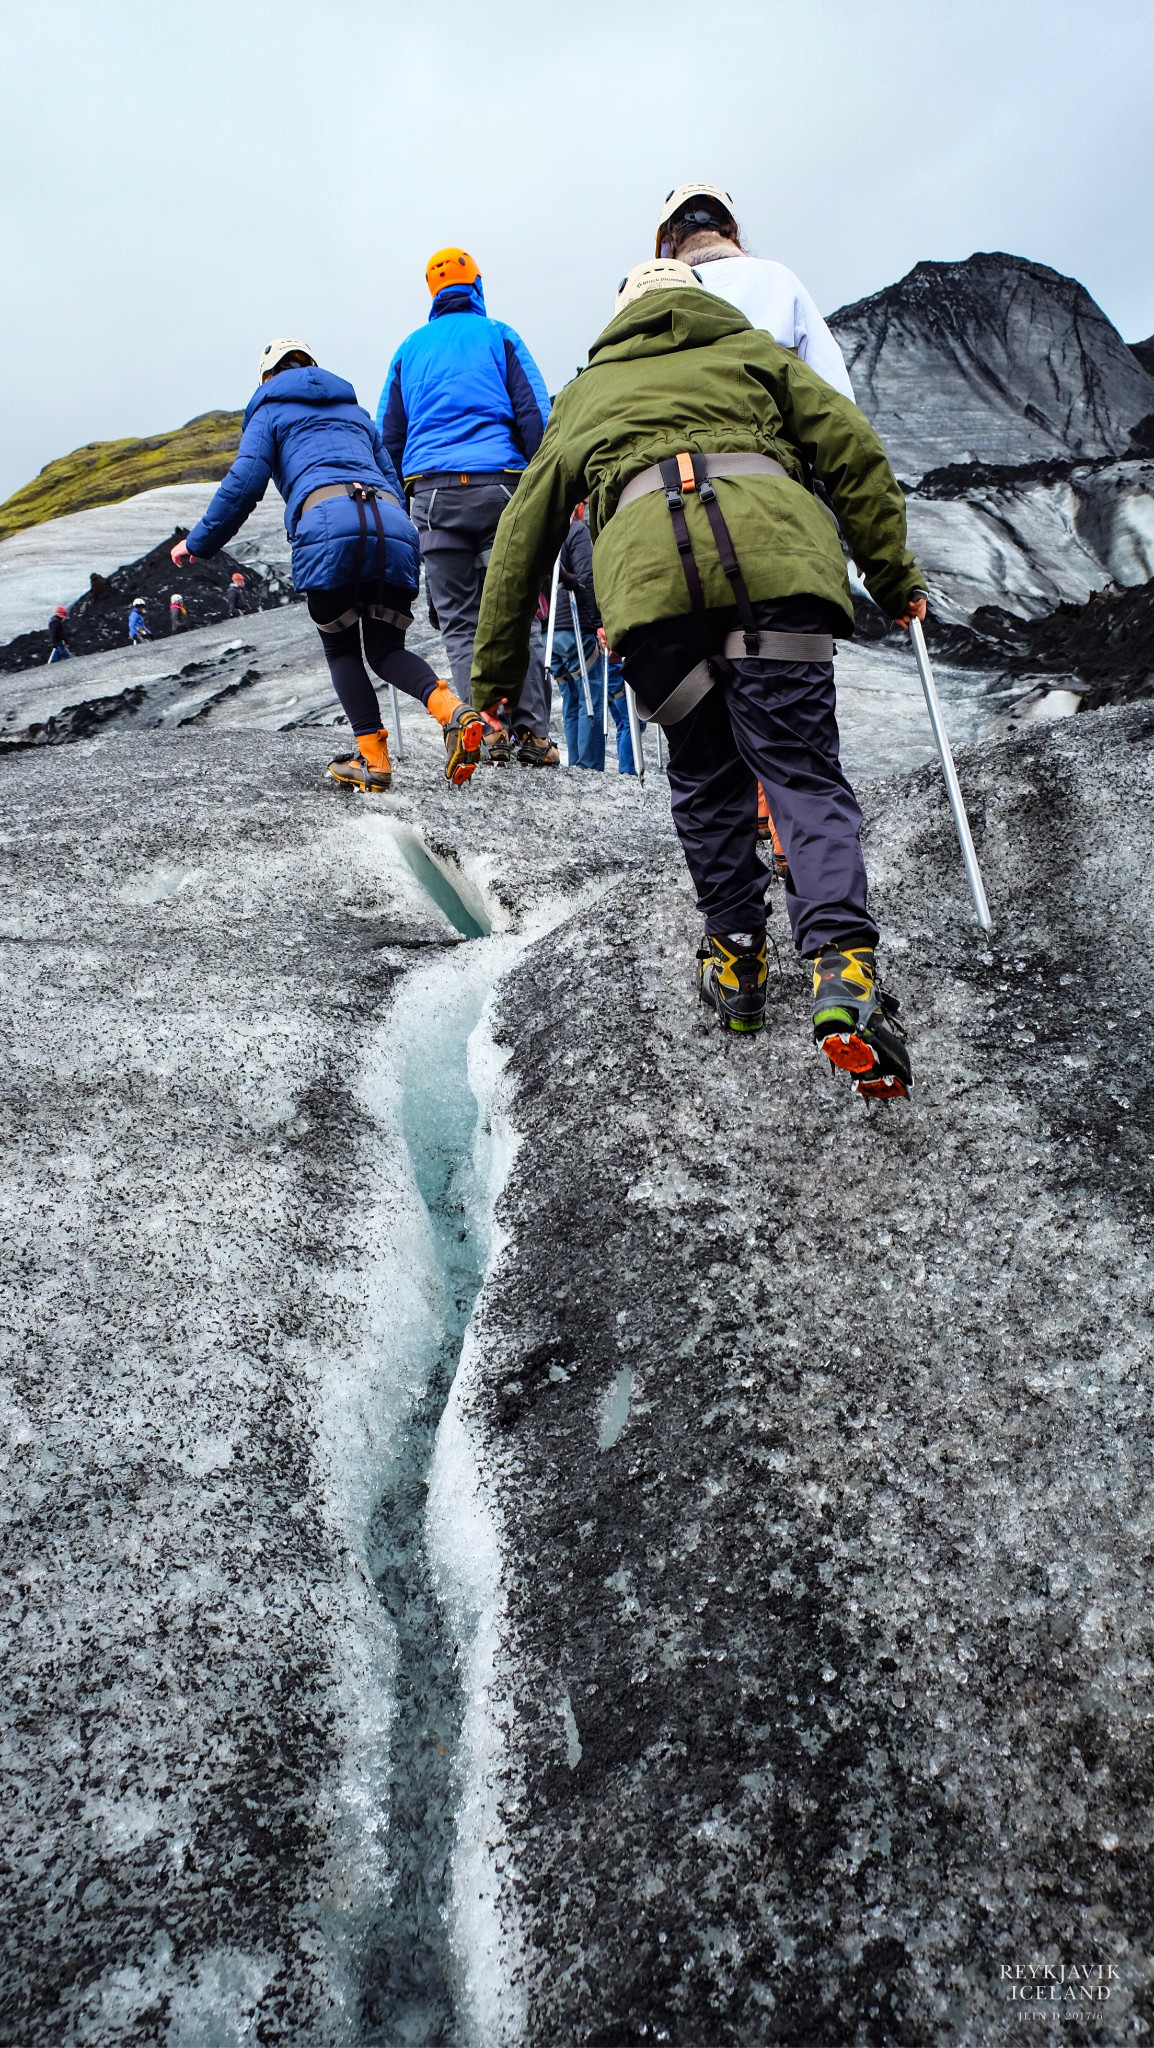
(855, 1023)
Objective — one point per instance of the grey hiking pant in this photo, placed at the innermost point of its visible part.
(457, 524)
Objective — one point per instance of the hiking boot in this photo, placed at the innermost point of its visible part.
(463, 731)
(856, 1024)
(731, 974)
(536, 753)
(497, 747)
(368, 767)
(766, 829)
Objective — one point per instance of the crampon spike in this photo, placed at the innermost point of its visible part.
(882, 1088)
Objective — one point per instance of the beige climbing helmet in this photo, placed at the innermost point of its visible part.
(681, 196)
(663, 273)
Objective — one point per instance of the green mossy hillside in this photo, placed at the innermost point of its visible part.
(104, 472)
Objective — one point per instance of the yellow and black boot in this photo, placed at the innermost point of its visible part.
(368, 767)
(463, 730)
(856, 1024)
(731, 974)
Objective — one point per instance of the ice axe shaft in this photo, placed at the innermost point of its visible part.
(551, 627)
(635, 733)
(962, 823)
(581, 657)
(397, 721)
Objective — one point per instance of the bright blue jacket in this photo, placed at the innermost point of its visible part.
(462, 393)
(302, 429)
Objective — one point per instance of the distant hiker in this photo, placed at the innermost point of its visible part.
(585, 735)
(584, 730)
(722, 582)
(137, 623)
(698, 227)
(58, 647)
(463, 408)
(235, 594)
(354, 551)
(177, 615)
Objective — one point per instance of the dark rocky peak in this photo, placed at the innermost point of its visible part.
(994, 360)
(1144, 350)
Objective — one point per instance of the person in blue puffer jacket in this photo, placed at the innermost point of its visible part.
(354, 550)
(462, 411)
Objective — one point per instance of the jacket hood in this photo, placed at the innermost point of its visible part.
(303, 387)
(459, 298)
(662, 322)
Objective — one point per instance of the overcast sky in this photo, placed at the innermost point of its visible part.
(178, 184)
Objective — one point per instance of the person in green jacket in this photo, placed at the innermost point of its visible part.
(721, 580)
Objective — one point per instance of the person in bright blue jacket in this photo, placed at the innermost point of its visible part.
(354, 550)
(462, 412)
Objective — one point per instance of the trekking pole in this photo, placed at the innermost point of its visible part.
(552, 616)
(397, 721)
(635, 734)
(962, 823)
(581, 657)
(605, 692)
(660, 750)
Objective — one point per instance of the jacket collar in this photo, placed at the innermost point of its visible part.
(310, 386)
(664, 321)
(459, 298)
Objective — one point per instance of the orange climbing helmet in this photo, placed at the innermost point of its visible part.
(450, 266)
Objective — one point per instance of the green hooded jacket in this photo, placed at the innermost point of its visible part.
(679, 369)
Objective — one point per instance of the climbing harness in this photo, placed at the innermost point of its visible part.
(363, 496)
(678, 476)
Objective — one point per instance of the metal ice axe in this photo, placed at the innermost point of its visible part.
(581, 657)
(549, 630)
(962, 823)
(401, 755)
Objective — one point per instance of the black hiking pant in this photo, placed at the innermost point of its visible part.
(384, 648)
(772, 722)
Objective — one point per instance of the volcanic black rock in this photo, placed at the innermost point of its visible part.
(995, 360)
(99, 619)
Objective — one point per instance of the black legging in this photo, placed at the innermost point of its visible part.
(384, 647)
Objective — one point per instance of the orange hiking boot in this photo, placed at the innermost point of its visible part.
(368, 767)
(856, 1024)
(464, 733)
(766, 829)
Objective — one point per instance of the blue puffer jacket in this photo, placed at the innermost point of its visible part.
(302, 429)
(462, 393)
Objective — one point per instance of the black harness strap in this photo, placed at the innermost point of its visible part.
(671, 477)
(688, 472)
(357, 495)
(727, 553)
(362, 495)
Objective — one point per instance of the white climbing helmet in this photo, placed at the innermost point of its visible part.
(663, 274)
(272, 355)
(680, 196)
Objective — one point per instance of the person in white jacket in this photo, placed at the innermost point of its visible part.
(698, 227)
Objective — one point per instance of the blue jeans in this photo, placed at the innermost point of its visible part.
(584, 736)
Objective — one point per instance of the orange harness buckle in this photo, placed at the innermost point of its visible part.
(685, 471)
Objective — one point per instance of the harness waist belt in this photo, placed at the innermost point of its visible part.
(369, 611)
(744, 463)
(324, 491)
(700, 680)
(438, 478)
